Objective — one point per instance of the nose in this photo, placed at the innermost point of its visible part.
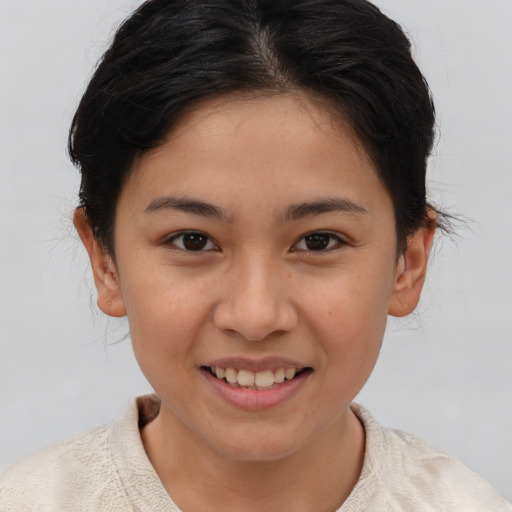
(256, 302)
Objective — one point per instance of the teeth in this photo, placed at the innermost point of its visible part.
(289, 373)
(231, 375)
(279, 375)
(245, 378)
(258, 380)
(264, 379)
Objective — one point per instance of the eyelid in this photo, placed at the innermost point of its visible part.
(341, 241)
(168, 241)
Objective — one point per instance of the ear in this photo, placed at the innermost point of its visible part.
(110, 298)
(412, 269)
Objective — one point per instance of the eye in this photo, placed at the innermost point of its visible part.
(193, 241)
(317, 242)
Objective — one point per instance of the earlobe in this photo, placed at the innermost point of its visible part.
(110, 298)
(411, 271)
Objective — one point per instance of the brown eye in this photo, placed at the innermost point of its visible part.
(317, 242)
(193, 241)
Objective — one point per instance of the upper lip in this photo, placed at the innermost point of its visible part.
(255, 365)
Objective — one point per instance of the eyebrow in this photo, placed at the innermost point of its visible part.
(293, 212)
(193, 206)
(336, 204)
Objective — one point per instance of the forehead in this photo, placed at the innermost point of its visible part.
(280, 146)
(233, 111)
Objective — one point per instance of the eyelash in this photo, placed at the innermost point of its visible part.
(174, 238)
(338, 241)
(333, 237)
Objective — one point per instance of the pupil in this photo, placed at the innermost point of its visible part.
(194, 241)
(317, 242)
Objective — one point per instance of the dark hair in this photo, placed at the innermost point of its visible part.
(172, 54)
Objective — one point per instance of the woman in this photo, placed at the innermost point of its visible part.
(253, 200)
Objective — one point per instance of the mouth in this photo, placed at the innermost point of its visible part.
(260, 380)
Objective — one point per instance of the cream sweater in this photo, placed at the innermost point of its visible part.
(107, 470)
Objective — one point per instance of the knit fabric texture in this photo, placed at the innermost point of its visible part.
(108, 470)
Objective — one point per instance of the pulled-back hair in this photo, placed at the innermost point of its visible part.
(172, 54)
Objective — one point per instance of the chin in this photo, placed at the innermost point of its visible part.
(253, 445)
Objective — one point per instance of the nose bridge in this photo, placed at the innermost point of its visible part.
(256, 302)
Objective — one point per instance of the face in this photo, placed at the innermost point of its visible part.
(256, 261)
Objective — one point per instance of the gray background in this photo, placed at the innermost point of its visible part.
(444, 374)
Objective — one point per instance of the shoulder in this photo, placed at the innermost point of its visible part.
(403, 472)
(75, 474)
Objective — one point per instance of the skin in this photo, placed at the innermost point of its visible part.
(257, 291)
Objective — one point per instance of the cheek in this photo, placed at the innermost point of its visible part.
(164, 316)
(352, 336)
(352, 341)
(349, 315)
(352, 302)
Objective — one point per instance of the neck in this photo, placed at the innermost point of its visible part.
(318, 476)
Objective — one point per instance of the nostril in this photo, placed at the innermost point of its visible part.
(255, 321)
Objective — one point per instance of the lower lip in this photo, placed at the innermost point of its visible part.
(253, 399)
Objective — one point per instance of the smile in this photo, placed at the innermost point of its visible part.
(264, 386)
(261, 380)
